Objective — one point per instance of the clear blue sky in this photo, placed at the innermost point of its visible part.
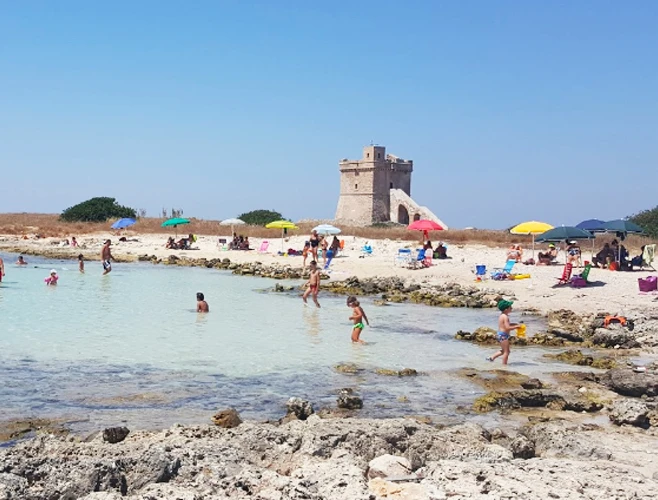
(511, 110)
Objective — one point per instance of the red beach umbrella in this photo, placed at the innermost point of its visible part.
(425, 226)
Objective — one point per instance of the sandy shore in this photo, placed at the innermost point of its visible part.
(613, 292)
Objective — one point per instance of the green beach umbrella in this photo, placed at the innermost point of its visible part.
(175, 222)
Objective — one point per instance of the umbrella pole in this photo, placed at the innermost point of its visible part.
(533, 246)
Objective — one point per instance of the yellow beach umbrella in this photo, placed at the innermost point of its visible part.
(283, 225)
(531, 228)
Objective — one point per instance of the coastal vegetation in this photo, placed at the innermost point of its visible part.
(647, 220)
(98, 209)
(260, 217)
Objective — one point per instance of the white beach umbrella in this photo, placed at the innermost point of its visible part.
(232, 222)
(326, 229)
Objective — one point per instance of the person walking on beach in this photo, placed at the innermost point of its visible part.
(305, 251)
(504, 329)
(81, 263)
(106, 258)
(357, 318)
(314, 240)
(313, 284)
(201, 304)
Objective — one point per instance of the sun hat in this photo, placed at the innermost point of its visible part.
(52, 271)
(504, 304)
(551, 245)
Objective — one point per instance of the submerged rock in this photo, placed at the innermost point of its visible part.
(405, 372)
(348, 400)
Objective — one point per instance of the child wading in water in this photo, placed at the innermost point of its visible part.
(358, 316)
(81, 263)
(313, 284)
(504, 329)
(52, 279)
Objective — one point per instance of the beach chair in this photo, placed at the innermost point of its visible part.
(366, 250)
(264, 246)
(417, 261)
(648, 256)
(222, 244)
(566, 274)
(403, 257)
(480, 272)
(503, 273)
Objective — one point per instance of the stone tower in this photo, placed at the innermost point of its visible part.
(365, 186)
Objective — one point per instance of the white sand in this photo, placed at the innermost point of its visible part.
(616, 292)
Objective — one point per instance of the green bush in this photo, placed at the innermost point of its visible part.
(260, 217)
(647, 220)
(97, 210)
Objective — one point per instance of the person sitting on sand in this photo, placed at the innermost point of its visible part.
(74, 242)
(440, 252)
(171, 243)
(335, 246)
(201, 304)
(604, 257)
(547, 258)
(244, 245)
(428, 246)
(21, 261)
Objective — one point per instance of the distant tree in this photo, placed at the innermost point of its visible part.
(260, 217)
(647, 220)
(97, 210)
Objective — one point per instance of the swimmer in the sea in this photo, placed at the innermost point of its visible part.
(52, 279)
(201, 304)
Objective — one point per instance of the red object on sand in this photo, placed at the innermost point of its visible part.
(424, 225)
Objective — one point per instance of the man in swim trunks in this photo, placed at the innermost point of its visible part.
(313, 284)
(504, 329)
(201, 304)
(2, 269)
(106, 258)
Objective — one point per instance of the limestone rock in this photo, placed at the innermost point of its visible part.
(228, 418)
(522, 447)
(611, 337)
(115, 434)
(348, 400)
(301, 408)
(388, 466)
(628, 383)
(628, 411)
(533, 383)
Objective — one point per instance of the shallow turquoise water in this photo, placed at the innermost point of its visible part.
(130, 347)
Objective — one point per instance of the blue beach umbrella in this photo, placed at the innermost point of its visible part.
(592, 225)
(622, 226)
(123, 223)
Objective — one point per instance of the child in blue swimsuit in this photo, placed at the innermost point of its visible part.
(504, 329)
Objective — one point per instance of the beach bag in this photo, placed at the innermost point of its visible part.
(578, 282)
(648, 284)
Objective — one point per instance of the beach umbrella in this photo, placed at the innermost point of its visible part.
(232, 222)
(284, 225)
(591, 225)
(175, 222)
(123, 223)
(425, 226)
(326, 229)
(531, 228)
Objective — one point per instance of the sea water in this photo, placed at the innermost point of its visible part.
(130, 348)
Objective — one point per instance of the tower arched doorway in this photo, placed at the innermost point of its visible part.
(416, 217)
(403, 215)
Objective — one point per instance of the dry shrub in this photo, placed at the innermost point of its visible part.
(49, 225)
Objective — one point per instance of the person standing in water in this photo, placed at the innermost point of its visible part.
(357, 317)
(106, 258)
(313, 284)
(81, 263)
(201, 304)
(21, 261)
(351, 300)
(504, 329)
(2, 269)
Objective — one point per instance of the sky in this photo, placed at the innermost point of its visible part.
(510, 110)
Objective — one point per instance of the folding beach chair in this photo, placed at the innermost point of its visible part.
(566, 274)
(222, 244)
(264, 246)
(503, 273)
(403, 257)
(417, 261)
(648, 256)
(366, 250)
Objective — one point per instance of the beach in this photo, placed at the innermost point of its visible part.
(537, 429)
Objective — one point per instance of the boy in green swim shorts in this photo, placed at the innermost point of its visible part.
(505, 327)
(357, 318)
